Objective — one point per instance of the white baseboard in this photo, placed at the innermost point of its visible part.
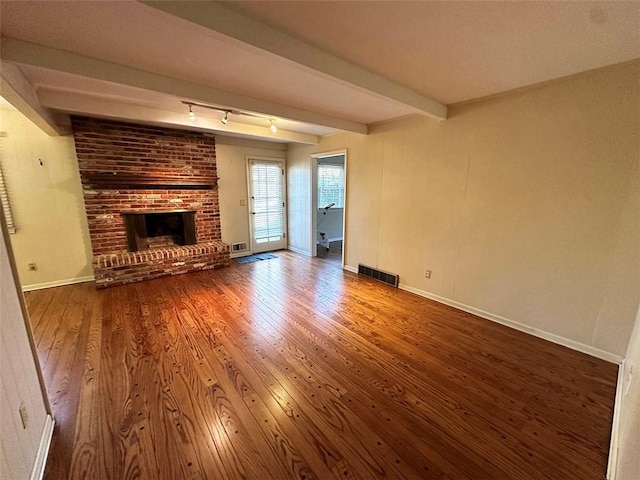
(299, 250)
(244, 253)
(552, 337)
(350, 269)
(57, 283)
(43, 449)
(612, 464)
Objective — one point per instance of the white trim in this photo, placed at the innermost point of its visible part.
(243, 253)
(43, 449)
(552, 337)
(536, 332)
(313, 224)
(612, 464)
(230, 23)
(95, 106)
(57, 283)
(19, 92)
(314, 200)
(285, 212)
(18, 51)
(300, 251)
(344, 210)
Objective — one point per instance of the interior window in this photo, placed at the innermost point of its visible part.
(330, 185)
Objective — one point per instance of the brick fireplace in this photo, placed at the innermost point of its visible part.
(151, 200)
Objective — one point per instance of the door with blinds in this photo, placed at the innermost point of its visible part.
(267, 192)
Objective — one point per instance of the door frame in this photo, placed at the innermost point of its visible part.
(26, 318)
(314, 201)
(283, 161)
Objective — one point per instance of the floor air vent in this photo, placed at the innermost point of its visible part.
(238, 247)
(384, 277)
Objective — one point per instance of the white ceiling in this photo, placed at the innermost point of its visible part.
(137, 62)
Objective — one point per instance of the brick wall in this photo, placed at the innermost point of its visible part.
(107, 147)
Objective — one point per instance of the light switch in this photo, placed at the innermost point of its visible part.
(243, 203)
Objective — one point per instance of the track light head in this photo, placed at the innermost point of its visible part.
(225, 119)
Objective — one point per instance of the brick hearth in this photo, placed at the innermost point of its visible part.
(131, 168)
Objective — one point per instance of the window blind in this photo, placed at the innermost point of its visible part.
(267, 201)
(330, 185)
(6, 208)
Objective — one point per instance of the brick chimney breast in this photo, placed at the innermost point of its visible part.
(128, 168)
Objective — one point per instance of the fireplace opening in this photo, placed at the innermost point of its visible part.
(146, 230)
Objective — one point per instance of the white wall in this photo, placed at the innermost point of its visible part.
(520, 205)
(46, 202)
(231, 154)
(19, 381)
(331, 222)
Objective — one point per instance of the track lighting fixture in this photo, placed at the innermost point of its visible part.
(225, 119)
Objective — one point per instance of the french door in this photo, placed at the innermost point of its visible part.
(267, 192)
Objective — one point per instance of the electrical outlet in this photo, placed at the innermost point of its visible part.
(33, 267)
(23, 415)
(427, 274)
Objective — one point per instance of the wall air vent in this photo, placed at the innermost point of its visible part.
(384, 277)
(238, 247)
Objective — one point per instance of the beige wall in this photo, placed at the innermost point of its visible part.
(231, 155)
(20, 384)
(629, 420)
(628, 464)
(48, 208)
(519, 205)
(46, 202)
(623, 274)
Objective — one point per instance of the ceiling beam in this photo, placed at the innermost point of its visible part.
(83, 104)
(17, 90)
(218, 17)
(21, 52)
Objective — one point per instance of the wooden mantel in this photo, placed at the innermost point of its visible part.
(115, 180)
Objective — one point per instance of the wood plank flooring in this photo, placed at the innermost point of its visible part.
(292, 368)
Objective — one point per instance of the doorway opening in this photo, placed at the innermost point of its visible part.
(328, 205)
(267, 206)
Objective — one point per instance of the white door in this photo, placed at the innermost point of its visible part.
(266, 183)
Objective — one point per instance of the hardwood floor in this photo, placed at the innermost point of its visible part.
(292, 368)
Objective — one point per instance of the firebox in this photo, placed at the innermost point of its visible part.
(147, 230)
